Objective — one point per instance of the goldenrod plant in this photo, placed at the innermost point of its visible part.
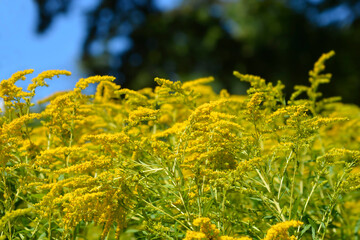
(179, 161)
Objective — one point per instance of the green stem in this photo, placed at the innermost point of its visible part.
(334, 198)
(282, 177)
(49, 229)
(167, 214)
(292, 189)
(274, 201)
(10, 233)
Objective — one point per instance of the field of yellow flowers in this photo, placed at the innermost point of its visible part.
(178, 162)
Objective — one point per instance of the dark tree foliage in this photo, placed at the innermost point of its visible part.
(48, 10)
(275, 39)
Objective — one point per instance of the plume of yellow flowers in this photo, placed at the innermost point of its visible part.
(146, 164)
(280, 231)
(208, 231)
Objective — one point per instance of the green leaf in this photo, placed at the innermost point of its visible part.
(38, 195)
(306, 227)
(295, 207)
(356, 230)
(313, 227)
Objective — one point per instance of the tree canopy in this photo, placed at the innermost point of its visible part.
(135, 40)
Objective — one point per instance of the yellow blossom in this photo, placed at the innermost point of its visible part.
(40, 79)
(280, 231)
(13, 214)
(84, 82)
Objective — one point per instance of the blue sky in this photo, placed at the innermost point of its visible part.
(59, 48)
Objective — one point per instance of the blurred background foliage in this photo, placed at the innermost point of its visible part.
(135, 41)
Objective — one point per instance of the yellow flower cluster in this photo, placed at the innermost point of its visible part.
(10, 92)
(142, 114)
(84, 82)
(40, 79)
(146, 164)
(208, 231)
(105, 91)
(13, 214)
(319, 66)
(280, 231)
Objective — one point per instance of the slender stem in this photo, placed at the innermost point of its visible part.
(49, 229)
(223, 206)
(311, 193)
(292, 189)
(167, 214)
(263, 180)
(274, 201)
(282, 178)
(10, 234)
(334, 198)
(49, 140)
(172, 175)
